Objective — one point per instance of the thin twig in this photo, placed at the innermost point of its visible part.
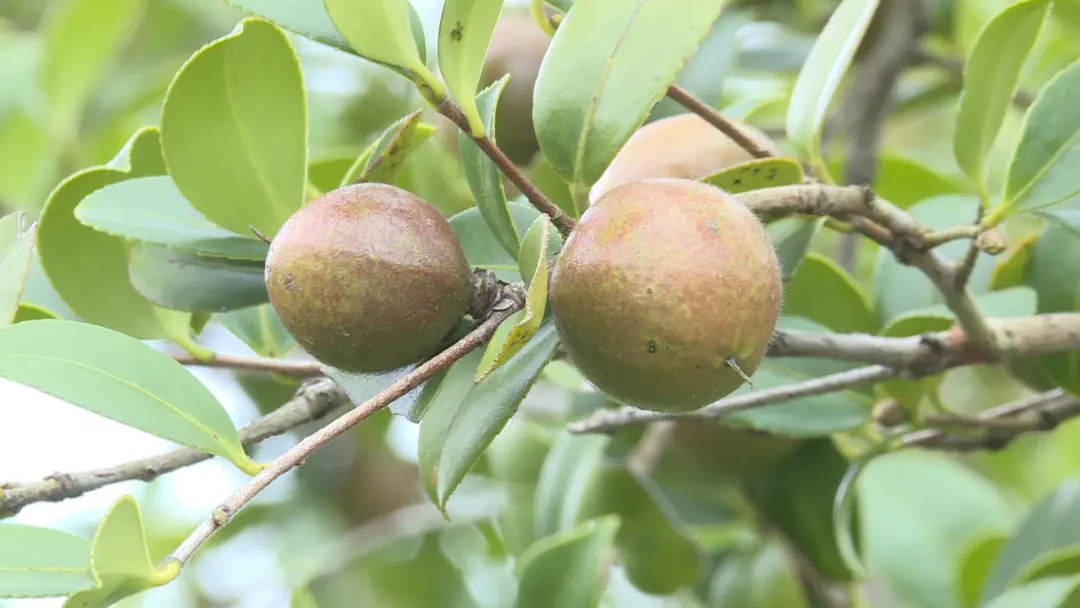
(312, 443)
(563, 222)
(295, 369)
(955, 233)
(312, 402)
(687, 100)
(869, 101)
(651, 447)
(603, 421)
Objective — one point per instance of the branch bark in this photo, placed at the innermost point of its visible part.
(295, 369)
(716, 119)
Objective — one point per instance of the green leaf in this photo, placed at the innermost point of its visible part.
(234, 129)
(464, 34)
(812, 416)
(1011, 269)
(991, 73)
(791, 237)
(31, 312)
(1057, 562)
(383, 159)
(485, 178)
(918, 512)
(482, 249)
(41, 562)
(120, 378)
(797, 496)
(152, 210)
(762, 576)
(975, 567)
(899, 288)
(382, 31)
(822, 74)
(1058, 287)
(305, 17)
(16, 250)
(1052, 524)
(567, 569)
(822, 292)
(1057, 592)
(179, 280)
(655, 551)
(260, 328)
(1041, 173)
(120, 559)
(96, 287)
(758, 174)
(609, 63)
(567, 477)
(523, 325)
(82, 39)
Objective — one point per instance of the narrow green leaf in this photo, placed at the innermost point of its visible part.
(523, 325)
(152, 210)
(568, 568)
(1042, 170)
(382, 31)
(179, 280)
(484, 177)
(975, 567)
(120, 559)
(41, 562)
(1052, 524)
(121, 378)
(991, 73)
(482, 249)
(758, 174)
(464, 34)
(30, 312)
(759, 576)
(821, 291)
(1011, 269)
(813, 416)
(821, 75)
(96, 287)
(381, 161)
(609, 63)
(16, 250)
(918, 513)
(791, 237)
(1057, 592)
(487, 407)
(797, 496)
(260, 328)
(234, 129)
(658, 556)
(566, 478)
(82, 39)
(1056, 562)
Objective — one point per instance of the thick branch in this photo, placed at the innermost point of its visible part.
(563, 222)
(840, 202)
(716, 119)
(295, 369)
(313, 401)
(312, 443)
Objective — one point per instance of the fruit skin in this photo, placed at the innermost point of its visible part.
(682, 146)
(517, 48)
(368, 278)
(660, 282)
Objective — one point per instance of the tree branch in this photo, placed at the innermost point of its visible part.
(295, 369)
(687, 100)
(563, 222)
(310, 444)
(313, 401)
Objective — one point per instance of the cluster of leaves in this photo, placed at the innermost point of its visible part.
(159, 240)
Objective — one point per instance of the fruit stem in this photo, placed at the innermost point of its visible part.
(687, 100)
(562, 221)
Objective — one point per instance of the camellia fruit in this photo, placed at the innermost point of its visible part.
(683, 146)
(368, 278)
(666, 294)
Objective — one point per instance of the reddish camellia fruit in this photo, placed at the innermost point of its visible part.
(683, 146)
(664, 291)
(368, 278)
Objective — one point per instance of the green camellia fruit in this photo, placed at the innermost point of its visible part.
(664, 291)
(683, 146)
(368, 278)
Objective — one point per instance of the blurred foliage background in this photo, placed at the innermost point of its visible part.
(355, 521)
